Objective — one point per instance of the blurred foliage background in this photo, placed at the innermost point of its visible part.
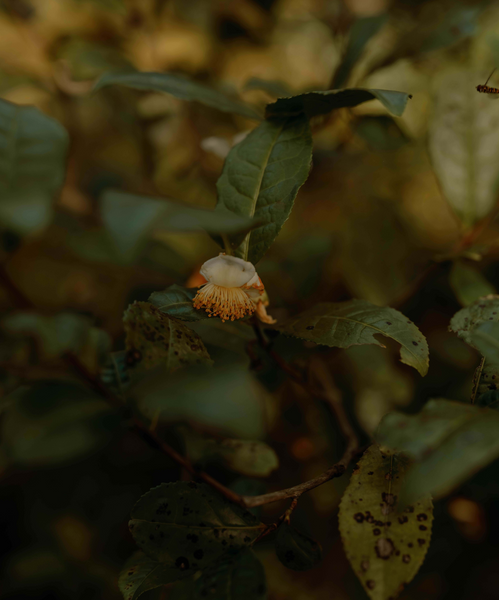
(372, 222)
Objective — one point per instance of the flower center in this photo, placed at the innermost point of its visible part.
(227, 303)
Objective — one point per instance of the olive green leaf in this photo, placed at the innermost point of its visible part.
(485, 338)
(247, 457)
(464, 144)
(467, 319)
(156, 339)
(33, 150)
(468, 284)
(360, 33)
(449, 442)
(355, 323)
(141, 574)
(130, 219)
(188, 526)
(275, 88)
(313, 104)
(296, 550)
(180, 87)
(54, 422)
(238, 577)
(386, 547)
(261, 178)
(176, 301)
(227, 399)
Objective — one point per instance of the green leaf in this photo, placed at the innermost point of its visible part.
(54, 422)
(278, 89)
(254, 459)
(58, 334)
(489, 399)
(156, 339)
(89, 59)
(180, 87)
(459, 23)
(464, 144)
(261, 178)
(241, 577)
(226, 399)
(33, 150)
(189, 526)
(313, 104)
(468, 284)
(130, 219)
(481, 311)
(485, 338)
(176, 301)
(355, 323)
(488, 378)
(233, 336)
(385, 547)
(295, 550)
(141, 574)
(360, 33)
(450, 441)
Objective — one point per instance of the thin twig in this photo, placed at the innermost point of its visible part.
(331, 396)
(247, 501)
(476, 379)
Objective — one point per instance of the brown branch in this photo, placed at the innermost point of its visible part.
(331, 396)
(247, 501)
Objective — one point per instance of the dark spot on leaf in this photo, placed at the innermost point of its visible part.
(423, 527)
(406, 558)
(422, 517)
(388, 323)
(192, 537)
(151, 537)
(409, 509)
(247, 539)
(309, 327)
(384, 548)
(359, 517)
(385, 509)
(410, 544)
(371, 473)
(198, 554)
(390, 499)
(370, 584)
(161, 510)
(364, 565)
(182, 563)
(403, 519)
(421, 542)
(377, 531)
(224, 542)
(289, 556)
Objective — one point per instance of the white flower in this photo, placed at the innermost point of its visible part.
(233, 290)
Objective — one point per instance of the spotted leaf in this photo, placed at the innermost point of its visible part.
(355, 323)
(188, 526)
(385, 546)
(154, 339)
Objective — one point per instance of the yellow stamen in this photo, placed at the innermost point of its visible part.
(226, 303)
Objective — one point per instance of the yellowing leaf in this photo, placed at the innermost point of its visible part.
(385, 547)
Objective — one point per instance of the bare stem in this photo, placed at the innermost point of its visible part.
(329, 394)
